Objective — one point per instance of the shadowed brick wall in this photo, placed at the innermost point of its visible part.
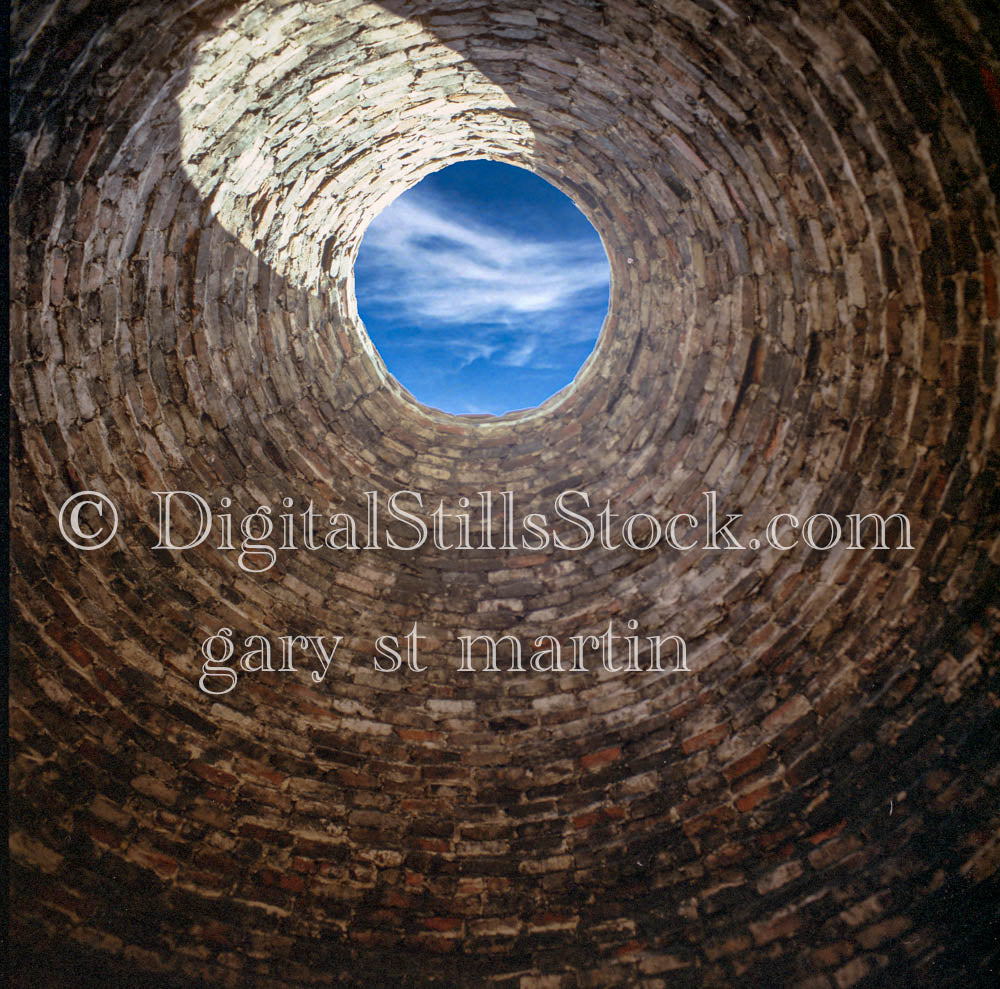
(798, 201)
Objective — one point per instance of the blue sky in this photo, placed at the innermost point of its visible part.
(483, 288)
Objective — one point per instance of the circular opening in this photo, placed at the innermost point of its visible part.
(483, 288)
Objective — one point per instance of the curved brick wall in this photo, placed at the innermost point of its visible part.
(799, 206)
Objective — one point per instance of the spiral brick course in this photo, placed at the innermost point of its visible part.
(798, 202)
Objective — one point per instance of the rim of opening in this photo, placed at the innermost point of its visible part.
(483, 419)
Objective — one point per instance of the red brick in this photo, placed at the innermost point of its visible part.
(705, 739)
(603, 757)
(745, 764)
(747, 801)
(217, 776)
(443, 923)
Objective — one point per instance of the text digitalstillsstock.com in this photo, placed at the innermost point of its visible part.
(264, 533)
(490, 522)
(486, 521)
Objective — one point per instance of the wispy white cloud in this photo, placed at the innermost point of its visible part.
(491, 294)
(521, 354)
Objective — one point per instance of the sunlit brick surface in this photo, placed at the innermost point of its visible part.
(799, 207)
